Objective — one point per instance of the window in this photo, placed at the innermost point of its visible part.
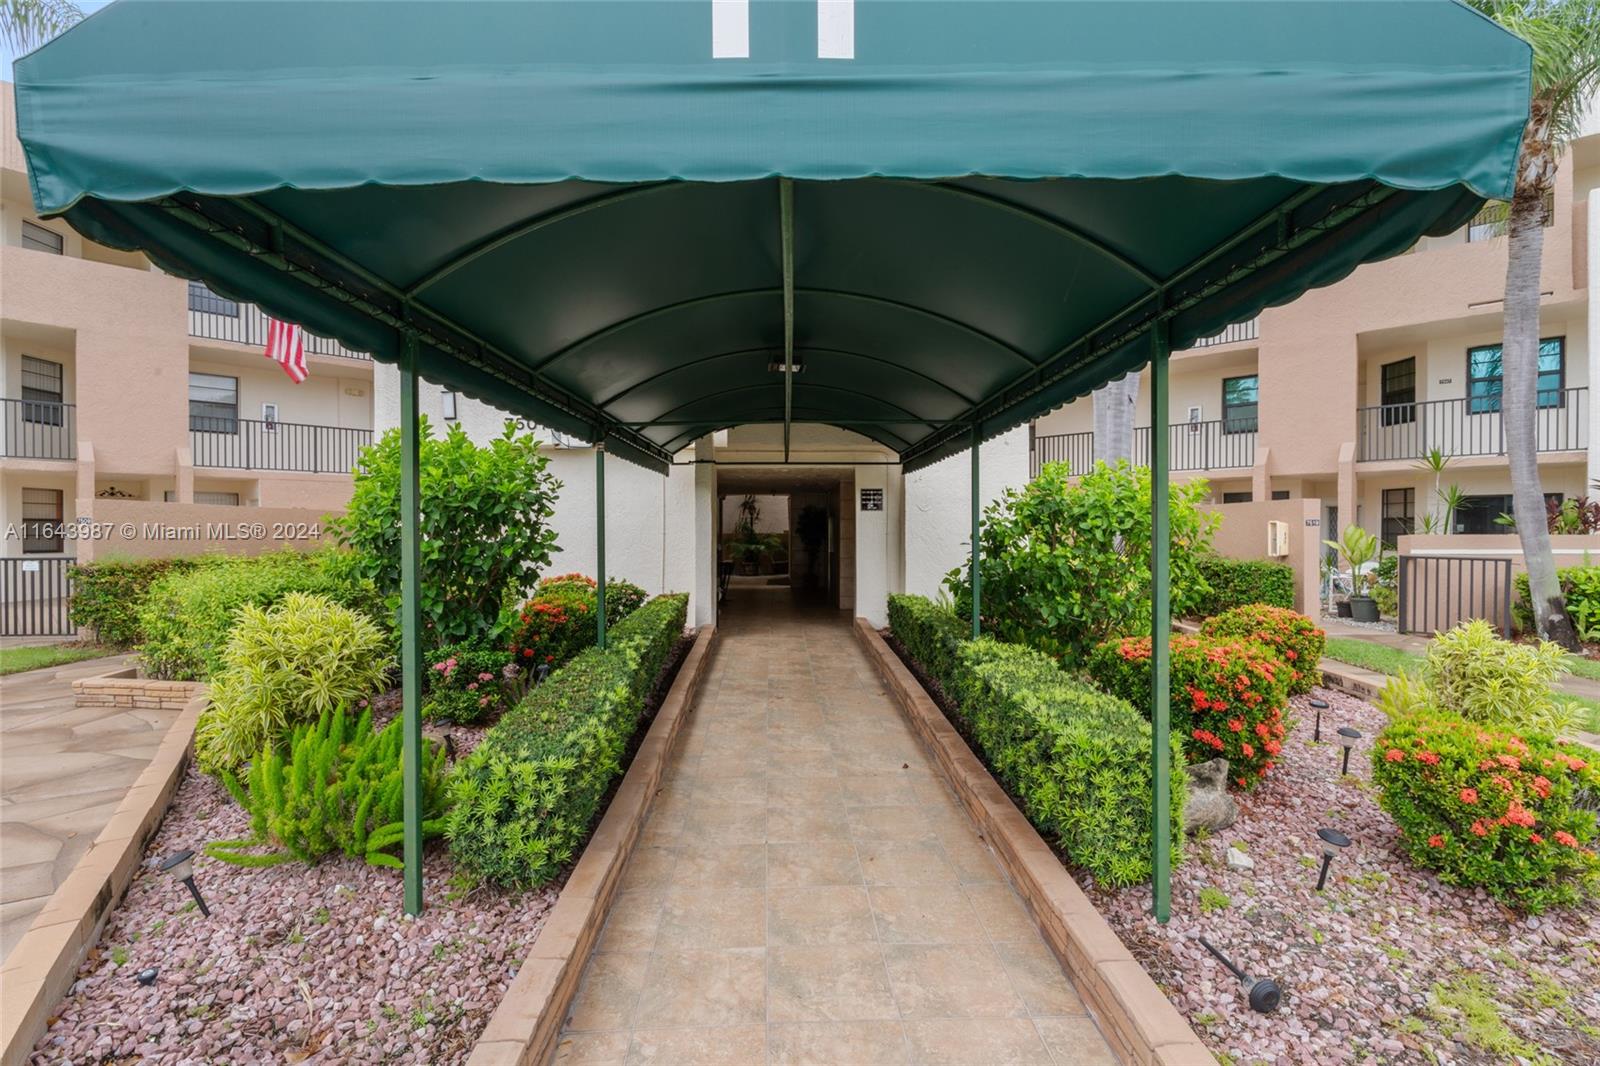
(1277, 494)
(1236, 497)
(1399, 514)
(1484, 378)
(41, 391)
(1494, 217)
(1399, 395)
(1481, 514)
(41, 521)
(203, 299)
(213, 403)
(224, 499)
(41, 239)
(269, 416)
(449, 402)
(1239, 404)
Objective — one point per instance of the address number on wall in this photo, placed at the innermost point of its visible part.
(872, 499)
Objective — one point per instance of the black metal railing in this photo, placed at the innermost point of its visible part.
(247, 444)
(1074, 449)
(35, 597)
(1215, 445)
(30, 429)
(1467, 426)
(1439, 592)
(1248, 330)
(214, 318)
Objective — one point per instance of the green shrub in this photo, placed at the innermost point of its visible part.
(1067, 565)
(1386, 586)
(187, 615)
(484, 525)
(558, 621)
(1580, 585)
(107, 596)
(467, 684)
(1228, 696)
(286, 665)
(1471, 672)
(524, 799)
(1078, 759)
(335, 786)
(1237, 582)
(1486, 808)
(1296, 639)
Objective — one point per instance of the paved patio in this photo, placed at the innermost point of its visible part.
(807, 890)
(63, 771)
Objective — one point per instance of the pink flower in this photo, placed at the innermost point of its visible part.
(1566, 839)
(473, 687)
(486, 676)
(1469, 795)
(1480, 828)
(1436, 841)
(1395, 755)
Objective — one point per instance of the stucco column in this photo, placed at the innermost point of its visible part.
(1594, 334)
(872, 557)
(703, 595)
(185, 476)
(1260, 483)
(1347, 488)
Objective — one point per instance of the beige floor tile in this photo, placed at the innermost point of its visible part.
(973, 861)
(813, 863)
(697, 988)
(720, 865)
(834, 982)
(650, 869)
(986, 1041)
(748, 764)
(715, 918)
(728, 823)
(1001, 911)
(804, 792)
(593, 1049)
(1037, 977)
(1075, 1041)
(950, 981)
(722, 790)
(787, 825)
(862, 1043)
(899, 823)
(633, 922)
(915, 863)
(803, 764)
(819, 914)
(876, 789)
(732, 1045)
(609, 993)
(924, 914)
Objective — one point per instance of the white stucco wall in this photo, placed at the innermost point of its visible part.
(938, 507)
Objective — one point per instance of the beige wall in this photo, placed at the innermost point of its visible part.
(1243, 535)
(144, 530)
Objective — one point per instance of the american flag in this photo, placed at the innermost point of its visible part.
(286, 347)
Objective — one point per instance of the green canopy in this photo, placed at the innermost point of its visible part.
(585, 217)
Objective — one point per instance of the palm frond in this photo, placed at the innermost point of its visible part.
(26, 24)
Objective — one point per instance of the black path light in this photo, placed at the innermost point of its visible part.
(1347, 740)
(1333, 842)
(180, 865)
(1319, 706)
(1264, 994)
(147, 977)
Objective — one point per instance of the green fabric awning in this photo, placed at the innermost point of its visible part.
(576, 210)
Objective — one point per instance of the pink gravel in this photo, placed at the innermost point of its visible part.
(296, 964)
(1362, 964)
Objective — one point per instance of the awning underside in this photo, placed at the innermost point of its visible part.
(387, 198)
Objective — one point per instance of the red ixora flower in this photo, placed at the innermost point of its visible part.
(1480, 828)
(1541, 785)
(1436, 841)
(1428, 757)
(1395, 755)
(1565, 839)
(1469, 795)
(1236, 724)
(1536, 838)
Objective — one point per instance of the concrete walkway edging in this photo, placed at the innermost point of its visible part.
(525, 1026)
(40, 969)
(1140, 1023)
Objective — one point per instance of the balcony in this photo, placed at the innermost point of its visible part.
(1191, 446)
(1412, 430)
(1248, 330)
(30, 429)
(211, 317)
(247, 444)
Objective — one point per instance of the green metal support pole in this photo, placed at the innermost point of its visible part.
(600, 540)
(977, 579)
(1160, 634)
(786, 235)
(411, 627)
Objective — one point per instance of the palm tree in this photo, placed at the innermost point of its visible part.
(26, 24)
(1565, 35)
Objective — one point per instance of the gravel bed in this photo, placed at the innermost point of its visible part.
(1388, 965)
(296, 964)
(1383, 625)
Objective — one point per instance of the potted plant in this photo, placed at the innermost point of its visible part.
(1358, 547)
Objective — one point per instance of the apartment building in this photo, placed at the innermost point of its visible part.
(1340, 395)
(140, 406)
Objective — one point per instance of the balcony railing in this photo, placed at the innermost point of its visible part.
(1412, 430)
(1248, 330)
(1193, 446)
(246, 444)
(214, 318)
(1074, 449)
(35, 430)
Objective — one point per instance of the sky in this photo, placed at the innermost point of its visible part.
(8, 56)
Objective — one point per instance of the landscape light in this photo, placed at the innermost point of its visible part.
(180, 864)
(147, 977)
(1264, 994)
(1333, 842)
(1347, 740)
(1319, 706)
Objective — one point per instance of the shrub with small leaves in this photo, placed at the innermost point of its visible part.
(108, 594)
(1296, 639)
(286, 665)
(1228, 696)
(559, 620)
(1487, 808)
(1236, 582)
(467, 684)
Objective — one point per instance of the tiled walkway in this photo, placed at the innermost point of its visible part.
(807, 890)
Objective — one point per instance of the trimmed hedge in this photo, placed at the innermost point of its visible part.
(1487, 808)
(186, 616)
(1296, 639)
(1237, 582)
(526, 797)
(107, 596)
(1227, 696)
(1076, 758)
